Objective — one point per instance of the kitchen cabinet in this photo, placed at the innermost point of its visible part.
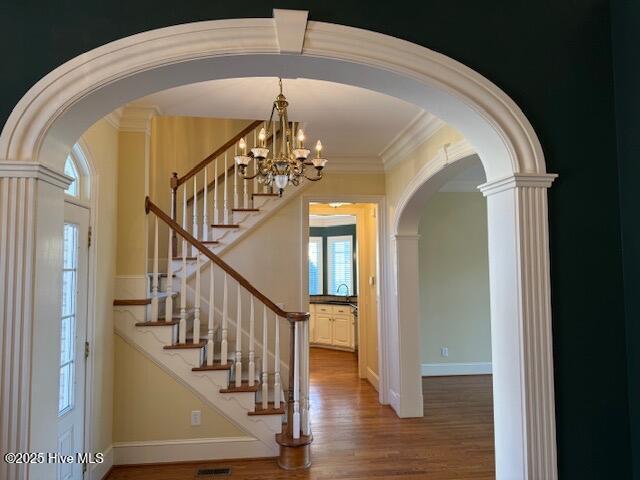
(332, 326)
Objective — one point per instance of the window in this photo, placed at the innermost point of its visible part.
(340, 265)
(68, 318)
(70, 170)
(315, 266)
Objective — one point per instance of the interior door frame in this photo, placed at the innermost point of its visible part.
(381, 274)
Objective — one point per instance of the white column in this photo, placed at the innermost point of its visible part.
(304, 379)
(168, 315)
(296, 381)
(523, 388)
(406, 397)
(31, 219)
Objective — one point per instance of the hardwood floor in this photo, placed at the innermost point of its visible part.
(357, 438)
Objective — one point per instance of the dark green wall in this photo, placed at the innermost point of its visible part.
(325, 232)
(626, 55)
(553, 57)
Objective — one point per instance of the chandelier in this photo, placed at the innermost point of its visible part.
(289, 158)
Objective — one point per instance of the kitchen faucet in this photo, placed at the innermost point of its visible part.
(345, 286)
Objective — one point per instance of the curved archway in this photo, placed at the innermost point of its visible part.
(51, 116)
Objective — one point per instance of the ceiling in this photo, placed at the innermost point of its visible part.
(350, 121)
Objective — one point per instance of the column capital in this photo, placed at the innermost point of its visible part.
(538, 180)
(21, 169)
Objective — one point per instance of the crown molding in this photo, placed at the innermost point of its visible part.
(133, 117)
(35, 170)
(418, 131)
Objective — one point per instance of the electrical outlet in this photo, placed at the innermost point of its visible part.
(196, 418)
(444, 352)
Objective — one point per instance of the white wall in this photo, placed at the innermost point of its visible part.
(454, 284)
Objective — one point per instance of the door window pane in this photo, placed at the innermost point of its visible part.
(68, 318)
(340, 265)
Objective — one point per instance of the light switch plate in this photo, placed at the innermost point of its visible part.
(196, 418)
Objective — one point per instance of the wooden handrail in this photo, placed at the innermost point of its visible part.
(218, 152)
(149, 206)
(230, 171)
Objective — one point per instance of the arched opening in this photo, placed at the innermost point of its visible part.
(52, 115)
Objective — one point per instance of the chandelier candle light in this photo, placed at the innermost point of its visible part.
(289, 159)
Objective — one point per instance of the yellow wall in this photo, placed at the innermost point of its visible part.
(151, 405)
(132, 243)
(454, 279)
(398, 177)
(102, 142)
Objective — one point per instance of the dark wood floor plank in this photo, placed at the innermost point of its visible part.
(356, 438)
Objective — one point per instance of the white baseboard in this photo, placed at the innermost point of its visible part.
(373, 378)
(444, 369)
(163, 451)
(98, 471)
(394, 400)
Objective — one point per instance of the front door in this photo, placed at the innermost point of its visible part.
(73, 334)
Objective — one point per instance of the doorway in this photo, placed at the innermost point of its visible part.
(342, 268)
(73, 337)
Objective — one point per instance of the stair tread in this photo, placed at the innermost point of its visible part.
(216, 366)
(181, 346)
(246, 209)
(270, 410)
(186, 258)
(210, 242)
(265, 195)
(159, 323)
(243, 388)
(225, 225)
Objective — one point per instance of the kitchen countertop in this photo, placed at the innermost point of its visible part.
(334, 299)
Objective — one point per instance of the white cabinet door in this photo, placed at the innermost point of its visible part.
(323, 329)
(342, 330)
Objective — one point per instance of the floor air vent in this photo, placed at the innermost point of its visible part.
(213, 472)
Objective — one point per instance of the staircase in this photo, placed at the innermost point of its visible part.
(208, 326)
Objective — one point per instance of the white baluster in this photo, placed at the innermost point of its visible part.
(205, 208)
(216, 217)
(196, 306)
(236, 203)
(296, 381)
(194, 228)
(265, 189)
(277, 388)
(265, 362)
(255, 163)
(239, 339)
(182, 327)
(252, 363)
(154, 280)
(225, 311)
(211, 315)
(226, 193)
(304, 379)
(168, 315)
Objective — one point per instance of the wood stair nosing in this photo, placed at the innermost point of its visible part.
(188, 259)
(265, 195)
(246, 209)
(159, 323)
(270, 410)
(185, 346)
(208, 368)
(225, 225)
(140, 301)
(243, 388)
(210, 242)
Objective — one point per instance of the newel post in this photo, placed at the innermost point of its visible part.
(295, 441)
